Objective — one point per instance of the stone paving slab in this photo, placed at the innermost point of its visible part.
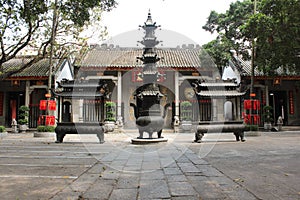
(118, 169)
(156, 171)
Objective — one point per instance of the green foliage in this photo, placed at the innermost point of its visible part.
(186, 105)
(110, 111)
(228, 27)
(267, 114)
(275, 26)
(252, 127)
(45, 128)
(36, 20)
(219, 50)
(2, 129)
(23, 115)
(79, 11)
(186, 111)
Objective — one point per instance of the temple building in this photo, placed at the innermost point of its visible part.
(186, 73)
(280, 91)
(179, 68)
(27, 86)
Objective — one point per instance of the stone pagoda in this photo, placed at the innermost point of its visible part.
(148, 113)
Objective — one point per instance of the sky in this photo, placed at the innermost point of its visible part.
(180, 20)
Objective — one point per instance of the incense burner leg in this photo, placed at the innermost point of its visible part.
(159, 134)
(198, 136)
(150, 134)
(59, 137)
(141, 132)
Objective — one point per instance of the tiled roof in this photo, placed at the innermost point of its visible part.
(244, 67)
(80, 95)
(219, 84)
(151, 93)
(39, 69)
(221, 93)
(127, 57)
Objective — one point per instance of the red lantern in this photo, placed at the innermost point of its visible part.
(50, 120)
(43, 104)
(41, 120)
(247, 119)
(256, 105)
(256, 119)
(52, 105)
(247, 104)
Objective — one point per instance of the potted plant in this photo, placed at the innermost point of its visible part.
(2, 131)
(110, 115)
(44, 131)
(186, 115)
(267, 117)
(23, 118)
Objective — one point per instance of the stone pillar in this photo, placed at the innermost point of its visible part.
(176, 117)
(267, 95)
(177, 94)
(27, 93)
(60, 108)
(119, 96)
(214, 110)
(80, 102)
(238, 108)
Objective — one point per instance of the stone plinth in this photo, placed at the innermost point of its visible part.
(148, 140)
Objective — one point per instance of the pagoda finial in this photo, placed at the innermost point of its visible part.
(149, 19)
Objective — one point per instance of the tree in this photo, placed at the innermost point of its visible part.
(228, 27)
(27, 23)
(219, 50)
(275, 27)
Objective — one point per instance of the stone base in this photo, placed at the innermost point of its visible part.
(44, 134)
(3, 134)
(148, 140)
(252, 133)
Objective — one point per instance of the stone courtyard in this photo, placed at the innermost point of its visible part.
(263, 167)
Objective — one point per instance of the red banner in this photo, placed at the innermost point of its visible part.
(1, 103)
(291, 103)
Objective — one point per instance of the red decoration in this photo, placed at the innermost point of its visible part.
(247, 119)
(291, 102)
(256, 105)
(52, 105)
(50, 120)
(256, 119)
(252, 104)
(43, 104)
(41, 120)
(247, 104)
(250, 117)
